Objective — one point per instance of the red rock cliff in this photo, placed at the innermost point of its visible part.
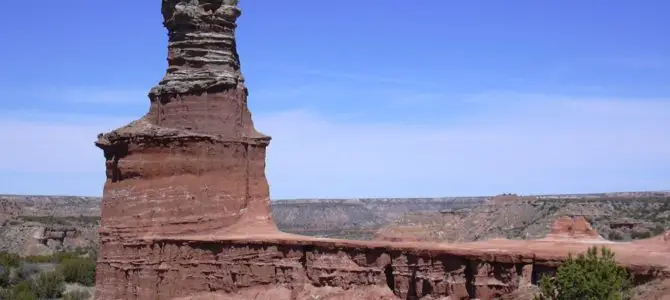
(572, 227)
(185, 210)
(194, 163)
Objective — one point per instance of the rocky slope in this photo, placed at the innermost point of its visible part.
(59, 206)
(614, 218)
(40, 225)
(340, 218)
(355, 218)
(448, 219)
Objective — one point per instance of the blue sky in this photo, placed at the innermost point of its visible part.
(381, 98)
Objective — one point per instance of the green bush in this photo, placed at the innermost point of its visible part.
(22, 291)
(80, 270)
(77, 295)
(25, 272)
(615, 236)
(49, 285)
(658, 229)
(23, 295)
(4, 277)
(63, 256)
(9, 260)
(39, 259)
(93, 253)
(638, 235)
(55, 258)
(590, 277)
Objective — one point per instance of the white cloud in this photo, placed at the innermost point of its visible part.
(518, 143)
(43, 142)
(520, 146)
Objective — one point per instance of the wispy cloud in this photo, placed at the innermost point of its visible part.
(508, 143)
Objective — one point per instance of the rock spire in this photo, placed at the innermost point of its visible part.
(194, 163)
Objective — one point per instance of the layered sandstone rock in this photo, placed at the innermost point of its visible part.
(185, 211)
(194, 162)
(573, 227)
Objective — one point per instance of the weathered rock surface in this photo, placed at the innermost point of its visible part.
(57, 206)
(355, 218)
(283, 267)
(42, 225)
(573, 227)
(34, 238)
(194, 162)
(617, 219)
(186, 213)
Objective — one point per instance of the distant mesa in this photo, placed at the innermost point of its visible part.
(509, 198)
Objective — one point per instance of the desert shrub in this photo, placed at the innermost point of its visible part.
(49, 285)
(25, 272)
(640, 234)
(23, 295)
(4, 276)
(93, 253)
(77, 295)
(591, 276)
(54, 258)
(9, 260)
(63, 256)
(80, 270)
(658, 229)
(5, 293)
(39, 259)
(22, 291)
(615, 235)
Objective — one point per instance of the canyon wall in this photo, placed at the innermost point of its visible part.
(186, 211)
(284, 269)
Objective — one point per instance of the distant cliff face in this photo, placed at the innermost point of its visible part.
(356, 218)
(439, 219)
(613, 218)
(382, 273)
(32, 205)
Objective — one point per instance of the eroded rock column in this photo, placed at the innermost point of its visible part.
(194, 164)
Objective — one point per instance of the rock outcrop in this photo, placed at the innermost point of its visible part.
(194, 163)
(186, 213)
(573, 227)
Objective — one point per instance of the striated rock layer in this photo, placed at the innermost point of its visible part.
(573, 227)
(186, 213)
(194, 162)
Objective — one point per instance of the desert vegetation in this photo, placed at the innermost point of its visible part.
(46, 276)
(593, 275)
